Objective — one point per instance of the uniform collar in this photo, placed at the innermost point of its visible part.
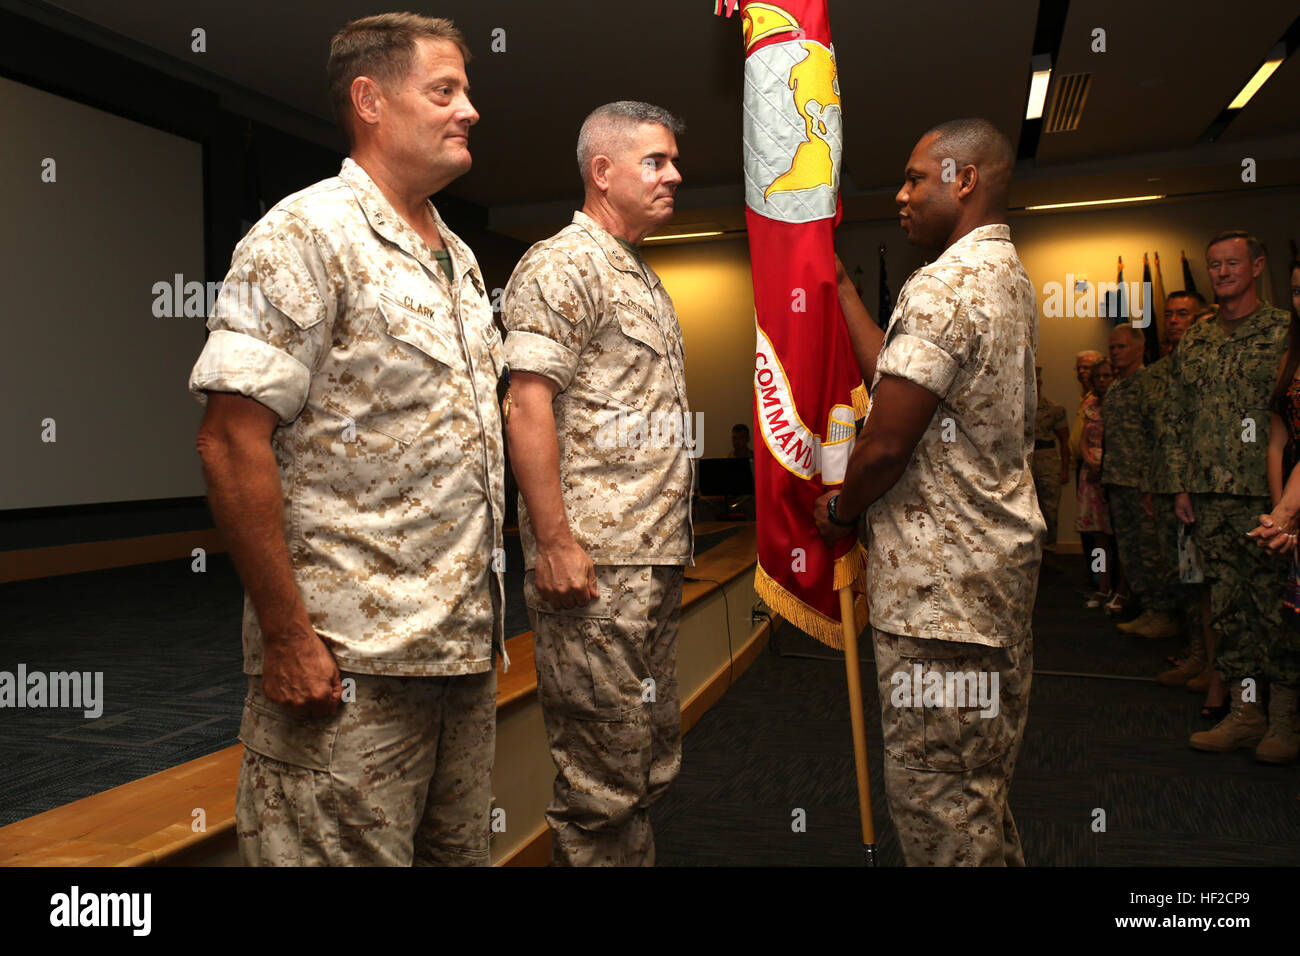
(993, 231)
(618, 257)
(385, 221)
(1264, 316)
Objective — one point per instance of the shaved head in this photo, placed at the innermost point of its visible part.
(977, 142)
(608, 129)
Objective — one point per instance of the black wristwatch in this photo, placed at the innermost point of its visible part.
(833, 514)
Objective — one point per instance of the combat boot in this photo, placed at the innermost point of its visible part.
(1282, 742)
(1131, 627)
(1191, 667)
(1158, 625)
(1201, 682)
(1243, 727)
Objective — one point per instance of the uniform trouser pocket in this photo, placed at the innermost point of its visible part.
(607, 684)
(399, 775)
(948, 767)
(948, 706)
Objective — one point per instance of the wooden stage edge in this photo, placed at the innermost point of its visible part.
(108, 828)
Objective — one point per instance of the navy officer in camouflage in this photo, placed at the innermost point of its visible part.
(353, 454)
(1225, 369)
(599, 446)
(943, 472)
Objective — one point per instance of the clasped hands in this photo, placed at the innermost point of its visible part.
(1276, 532)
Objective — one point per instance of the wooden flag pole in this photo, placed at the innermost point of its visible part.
(859, 725)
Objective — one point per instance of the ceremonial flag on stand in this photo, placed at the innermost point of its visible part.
(1151, 331)
(1158, 291)
(885, 302)
(1117, 302)
(808, 390)
(1189, 284)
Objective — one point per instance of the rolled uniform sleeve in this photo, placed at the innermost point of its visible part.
(931, 339)
(271, 323)
(549, 318)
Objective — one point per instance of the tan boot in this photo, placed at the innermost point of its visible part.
(1282, 742)
(1184, 672)
(1201, 682)
(1243, 727)
(1131, 627)
(1158, 626)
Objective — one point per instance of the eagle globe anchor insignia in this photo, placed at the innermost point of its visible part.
(793, 142)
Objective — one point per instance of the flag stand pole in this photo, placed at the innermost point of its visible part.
(859, 725)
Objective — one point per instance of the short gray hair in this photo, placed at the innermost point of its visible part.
(1254, 247)
(607, 123)
(1136, 335)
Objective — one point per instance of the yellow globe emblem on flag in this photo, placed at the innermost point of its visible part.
(792, 125)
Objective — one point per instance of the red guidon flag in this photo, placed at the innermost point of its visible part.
(807, 387)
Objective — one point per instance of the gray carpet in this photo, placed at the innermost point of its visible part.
(167, 641)
(780, 741)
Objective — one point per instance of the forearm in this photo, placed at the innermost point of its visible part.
(873, 470)
(1288, 505)
(535, 458)
(245, 496)
(865, 336)
(1063, 446)
(1276, 446)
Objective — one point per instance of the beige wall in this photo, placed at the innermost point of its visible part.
(1087, 242)
(712, 292)
(710, 285)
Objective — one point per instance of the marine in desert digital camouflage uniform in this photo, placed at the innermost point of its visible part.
(598, 445)
(353, 453)
(942, 470)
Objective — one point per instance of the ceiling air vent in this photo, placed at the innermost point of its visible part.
(1067, 102)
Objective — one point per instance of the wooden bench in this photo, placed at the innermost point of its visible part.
(152, 820)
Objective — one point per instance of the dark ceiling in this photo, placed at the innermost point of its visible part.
(1169, 69)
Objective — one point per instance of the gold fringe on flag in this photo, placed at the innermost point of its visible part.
(851, 569)
(861, 400)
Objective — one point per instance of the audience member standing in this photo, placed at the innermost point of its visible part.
(1278, 532)
(1123, 462)
(1158, 482)
(1224, 371)
(1051, 464)
(1093, 520)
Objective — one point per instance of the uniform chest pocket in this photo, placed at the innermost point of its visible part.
(642, 329)
(420, 334)
(402, 368)
(1254, 368)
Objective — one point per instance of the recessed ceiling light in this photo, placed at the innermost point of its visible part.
(1093, 202)
(1042, 67)
(683, 235)
(1275, 58)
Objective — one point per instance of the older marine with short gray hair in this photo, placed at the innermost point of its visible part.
(599, 444)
